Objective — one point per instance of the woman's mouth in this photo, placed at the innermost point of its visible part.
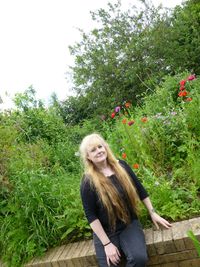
(99, 155)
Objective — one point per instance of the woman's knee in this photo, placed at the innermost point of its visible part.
(139, 260)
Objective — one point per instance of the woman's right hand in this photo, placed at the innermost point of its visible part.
(112, 254)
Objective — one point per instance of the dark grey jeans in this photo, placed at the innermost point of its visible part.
(131, 244)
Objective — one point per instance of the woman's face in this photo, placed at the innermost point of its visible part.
(97, 153)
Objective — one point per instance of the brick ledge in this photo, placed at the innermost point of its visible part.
(166, 248)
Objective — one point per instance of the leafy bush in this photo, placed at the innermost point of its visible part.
(161, 141)
(40, 172)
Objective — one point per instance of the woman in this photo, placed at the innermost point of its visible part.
(110, 193)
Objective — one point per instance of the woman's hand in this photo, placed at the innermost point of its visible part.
(112, 254)
(157, 219)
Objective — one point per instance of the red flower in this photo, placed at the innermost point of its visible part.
(127, 104)
(124, 121)
(182, 87)
(144, 119)
(191, 77)
(188, 99)
(136, 166)
(124, 155)
(185, 93)
(182, 93)
(113, 115)
(131, 122)
(182, 83)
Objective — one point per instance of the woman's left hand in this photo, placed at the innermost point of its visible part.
(157, 219)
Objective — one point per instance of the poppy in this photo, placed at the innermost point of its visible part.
(188, 99)
(136, 166)
(127, 104)
(185, 93)
(124, 155)
(131, 122)
(182, 83)
(144, 119)
(191, 77)
(182, 93)
(113, 115)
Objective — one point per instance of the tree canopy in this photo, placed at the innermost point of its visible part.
(128, 53)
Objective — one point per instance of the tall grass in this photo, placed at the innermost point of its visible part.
(40, 172)
(163, 144)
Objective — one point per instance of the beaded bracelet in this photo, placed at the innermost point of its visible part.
(107, 243)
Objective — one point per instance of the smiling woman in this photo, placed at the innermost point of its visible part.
(96, 153)
(110, 193)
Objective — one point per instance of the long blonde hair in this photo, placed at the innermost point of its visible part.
(108, 194)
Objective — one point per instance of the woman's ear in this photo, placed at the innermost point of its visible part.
(88, 157)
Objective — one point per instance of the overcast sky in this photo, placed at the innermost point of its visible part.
(35, 35)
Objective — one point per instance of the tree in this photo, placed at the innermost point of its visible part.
(185, 37)
(34, 121)
(130, 51)
(112, 62)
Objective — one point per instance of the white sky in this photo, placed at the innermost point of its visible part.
(35, 35)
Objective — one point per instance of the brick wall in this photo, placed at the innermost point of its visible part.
(173, 248)
(166, 248)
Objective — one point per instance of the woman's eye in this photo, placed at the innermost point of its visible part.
(100, 146)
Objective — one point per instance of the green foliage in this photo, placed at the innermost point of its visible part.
(195, 241)
(27, 100)
(40, 175)
(40, 172)
(123, 59)
(36, 209)
(184, 35)
(164, 142)
(76, 109)
(112, 59)
(128, 53)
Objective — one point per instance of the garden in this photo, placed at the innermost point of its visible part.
(150, 119)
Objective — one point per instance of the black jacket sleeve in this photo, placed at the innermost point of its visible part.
(138, 185)
(89, 200)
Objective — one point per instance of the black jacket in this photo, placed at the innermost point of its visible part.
(94, 208)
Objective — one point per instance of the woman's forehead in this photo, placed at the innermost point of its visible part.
(94, 143)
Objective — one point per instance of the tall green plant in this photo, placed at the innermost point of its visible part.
(195, 241)
(160, 140)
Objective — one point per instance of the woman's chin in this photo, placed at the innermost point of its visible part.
(100, 159)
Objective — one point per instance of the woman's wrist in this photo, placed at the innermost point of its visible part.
(106, 244)
(152, 211)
